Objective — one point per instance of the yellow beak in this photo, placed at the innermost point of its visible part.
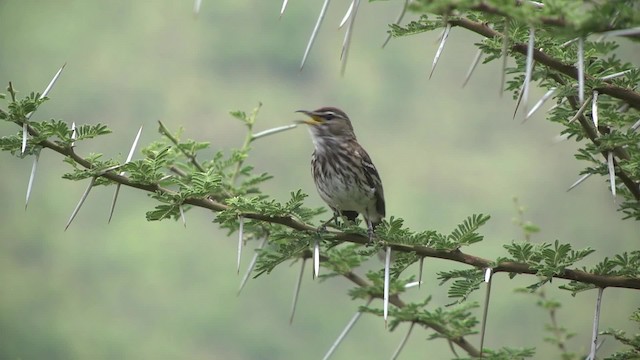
(314, 119)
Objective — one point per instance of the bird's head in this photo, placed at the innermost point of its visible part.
(328, 122)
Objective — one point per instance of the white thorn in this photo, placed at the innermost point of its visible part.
(347, 15)
(31, 179)
(529, 69)
(196, 7)
(44, 93)
(420, 267)
(82, 199)
(272, 131)
(488, 272)
(346, 44)
(74, 134)
(25, 134)
(612, 173)
(344, 332)
(445, 35)
(540, 102)
(129, 157)
(296, 291)
(412, 284)
(240, 240)
(316, 258)
(596, 320)
(581, 70)
(397, 22)
(385, 297)
(243, 282)
(473, 66)
(622, 32)
(403, 342)
(312, 39)
(615, 75)
(579, 181)
(583, 107)
(594, 109)
(284, 7)
(505, 50)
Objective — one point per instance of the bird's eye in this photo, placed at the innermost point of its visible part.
(329, 116)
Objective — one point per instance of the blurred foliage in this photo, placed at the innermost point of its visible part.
(175, 174)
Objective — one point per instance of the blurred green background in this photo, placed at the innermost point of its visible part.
(138, 290)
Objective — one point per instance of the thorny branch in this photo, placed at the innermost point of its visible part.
(601, 281)
(624, 94)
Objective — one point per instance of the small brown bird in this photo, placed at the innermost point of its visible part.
(345, 177)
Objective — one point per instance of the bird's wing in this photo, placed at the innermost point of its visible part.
(373, 180)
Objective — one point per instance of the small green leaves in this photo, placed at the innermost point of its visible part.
(466, 282)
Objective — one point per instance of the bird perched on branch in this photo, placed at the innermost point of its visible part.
(342, 170)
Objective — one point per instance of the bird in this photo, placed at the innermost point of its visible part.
(342, 170)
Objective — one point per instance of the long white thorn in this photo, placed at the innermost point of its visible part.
(385, 297)
(403, 342)
(272, 131)
(296, 291)
(519, 101)
(184, 219)
(344, 332)
(596, 320)
(316, 257)
(240, 240)
(74, 133)
(31, 179)
(132, 150)
(505, 52)
(50, 86)
(622, 32)
(474, 64)
(612, 173)
(397, 22)
(346, 44)
(44, 93)
(528, 69)
(25, 135)
(581, 70)
(252, 265)
(583, 107)
(594, 109)
(488, 272)
(579, 181)
(346, 15)
(316, 28)
(420, 267)
(615, 75)
(540, 102)
(196, 7)
(443, 41)
(284, 7)
(82, 199)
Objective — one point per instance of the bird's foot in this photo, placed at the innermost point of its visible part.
(371, 236)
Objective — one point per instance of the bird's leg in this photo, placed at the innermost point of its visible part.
(370, 232)
(323, 227)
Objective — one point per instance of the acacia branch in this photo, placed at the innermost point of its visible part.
(395, 300)
(293, 223)
(624, 94)
(607, 87)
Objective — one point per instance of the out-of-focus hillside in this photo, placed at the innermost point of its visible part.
(139, 290)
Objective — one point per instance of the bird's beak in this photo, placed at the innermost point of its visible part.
(314, 119)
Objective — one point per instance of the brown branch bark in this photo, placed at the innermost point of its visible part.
(624, 94)
(288, 221)
(627, 95)
(396, 301)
